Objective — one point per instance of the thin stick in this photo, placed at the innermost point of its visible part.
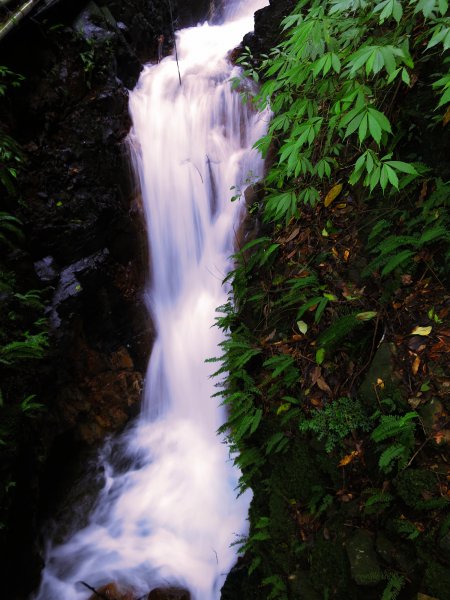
(174, 41)
(89, 587)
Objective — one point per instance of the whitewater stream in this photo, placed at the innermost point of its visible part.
(170, 517)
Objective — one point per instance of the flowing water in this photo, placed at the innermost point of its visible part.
(170, 516)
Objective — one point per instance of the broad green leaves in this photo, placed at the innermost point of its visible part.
(372, 59)
(329, 84)
(430, 8)
(441, 35)
(389, 8)
(325, 63)
(366, 121)
(444, 84)
(382, 172)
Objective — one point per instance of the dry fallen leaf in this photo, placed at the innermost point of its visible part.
(414, 402)
(293, 235)
(415, 365)
(323, 385)
(446, 118)
(333, 194)
(348, 458)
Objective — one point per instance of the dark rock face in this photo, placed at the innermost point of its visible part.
(85, 244)
(267, 33)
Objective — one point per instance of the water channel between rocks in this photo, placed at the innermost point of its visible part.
(171, 516)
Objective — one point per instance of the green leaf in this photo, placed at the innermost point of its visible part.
(302, 326)
(256, 420)
(402, 166)
(392, 175)
(274, 442)
(396, 261)
(374, 128)
(320, 356)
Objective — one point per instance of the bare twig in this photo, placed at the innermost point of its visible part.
(174, 40)
(89, 587)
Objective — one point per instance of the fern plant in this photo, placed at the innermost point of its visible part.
(399, 432)
(336, 421)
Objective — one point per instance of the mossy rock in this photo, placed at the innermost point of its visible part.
(239, 584)
(413, 485)
(381, 368)
(329, 569)
(282, 533)
(364, 566)
(295, 472)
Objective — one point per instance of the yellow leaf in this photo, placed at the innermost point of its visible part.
(283, 408)
(366, 316)
(348, 458)
(421, 330)
(332, 194)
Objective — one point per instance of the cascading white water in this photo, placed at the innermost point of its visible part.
(170, 517)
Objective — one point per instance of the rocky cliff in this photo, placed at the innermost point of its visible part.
(84, 244)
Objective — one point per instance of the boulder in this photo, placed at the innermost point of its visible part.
(364, 566)
(112, 591)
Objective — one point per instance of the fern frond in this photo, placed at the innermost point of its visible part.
(338, 330)
(392, 425)
(394, 452)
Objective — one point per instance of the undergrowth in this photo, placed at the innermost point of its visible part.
(351, 263)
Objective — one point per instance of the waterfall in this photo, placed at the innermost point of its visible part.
(170, 516)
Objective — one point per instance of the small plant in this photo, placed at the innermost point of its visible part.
(88, 61)
(399, 431)
(336, 421)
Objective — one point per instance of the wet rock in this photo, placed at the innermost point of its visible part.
(267, 33)
(105, 399)
(171, 593)
(46, 269)
(364, 566)
(112, 591)
(435, 418)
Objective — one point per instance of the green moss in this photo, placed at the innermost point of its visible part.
(411, 485)
(437, 580)
(329, 569)
(295, 473)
